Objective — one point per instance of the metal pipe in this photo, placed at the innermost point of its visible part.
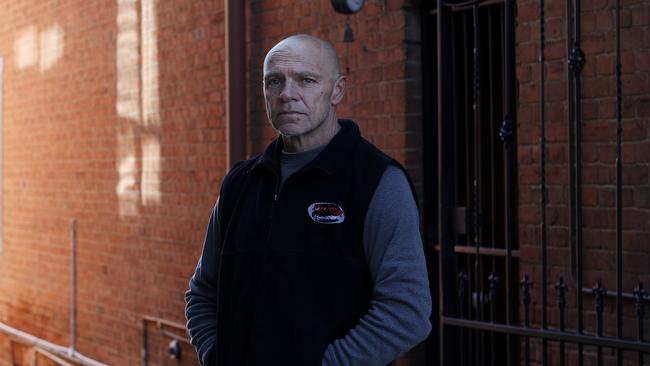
(65, 352)
(235, 37)
(50, 356)
(73, 287)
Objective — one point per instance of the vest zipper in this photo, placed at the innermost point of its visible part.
(274, 204)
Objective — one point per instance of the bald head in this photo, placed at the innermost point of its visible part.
(302, 88)
(301, 43)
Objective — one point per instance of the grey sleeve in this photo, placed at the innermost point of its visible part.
(398, 318)
(201, 298)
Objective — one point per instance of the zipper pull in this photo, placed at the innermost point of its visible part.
(275, 197)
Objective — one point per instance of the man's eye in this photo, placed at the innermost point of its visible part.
(273, 82)
(308, 81)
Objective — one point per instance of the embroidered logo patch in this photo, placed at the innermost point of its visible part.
(326, 213)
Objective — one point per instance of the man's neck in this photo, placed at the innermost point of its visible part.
(312, 140)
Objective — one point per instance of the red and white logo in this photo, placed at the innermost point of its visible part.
(326, 213)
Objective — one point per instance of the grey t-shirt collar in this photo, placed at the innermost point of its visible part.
(292, 162)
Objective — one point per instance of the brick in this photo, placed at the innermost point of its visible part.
(642, 60)
(596, 131)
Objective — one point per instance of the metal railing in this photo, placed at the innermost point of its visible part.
(477, 256)
(162, 325)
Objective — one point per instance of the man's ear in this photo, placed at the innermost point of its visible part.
(339, 90)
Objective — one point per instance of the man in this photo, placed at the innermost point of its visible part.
(312, 254)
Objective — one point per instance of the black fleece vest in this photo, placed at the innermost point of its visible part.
(292, 271)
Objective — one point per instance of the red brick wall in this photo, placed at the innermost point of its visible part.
(114, 116)
(599, 136)
(84, 139)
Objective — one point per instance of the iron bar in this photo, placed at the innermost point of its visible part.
(491, 117)
(491, 184)
(462, 300)
(493, 280)
(456, 100)
(456, 163)
(470, 178)
(466, 95)
(640, 293)
(570, 118)
(526, 286)
(619, 190)
(542, 187)
(478, 226)
(561, 304)
(577, 61)
(430, 173)
(446, 259)
(599, 303)
(507, 136)
(550, 334)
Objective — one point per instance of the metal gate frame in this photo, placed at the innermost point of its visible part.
(447, 282)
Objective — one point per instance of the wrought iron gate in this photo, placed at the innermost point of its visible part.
(484, 309)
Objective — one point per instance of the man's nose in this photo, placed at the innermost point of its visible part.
(289, 91)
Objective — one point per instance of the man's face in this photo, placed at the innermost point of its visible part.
(301, 88)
